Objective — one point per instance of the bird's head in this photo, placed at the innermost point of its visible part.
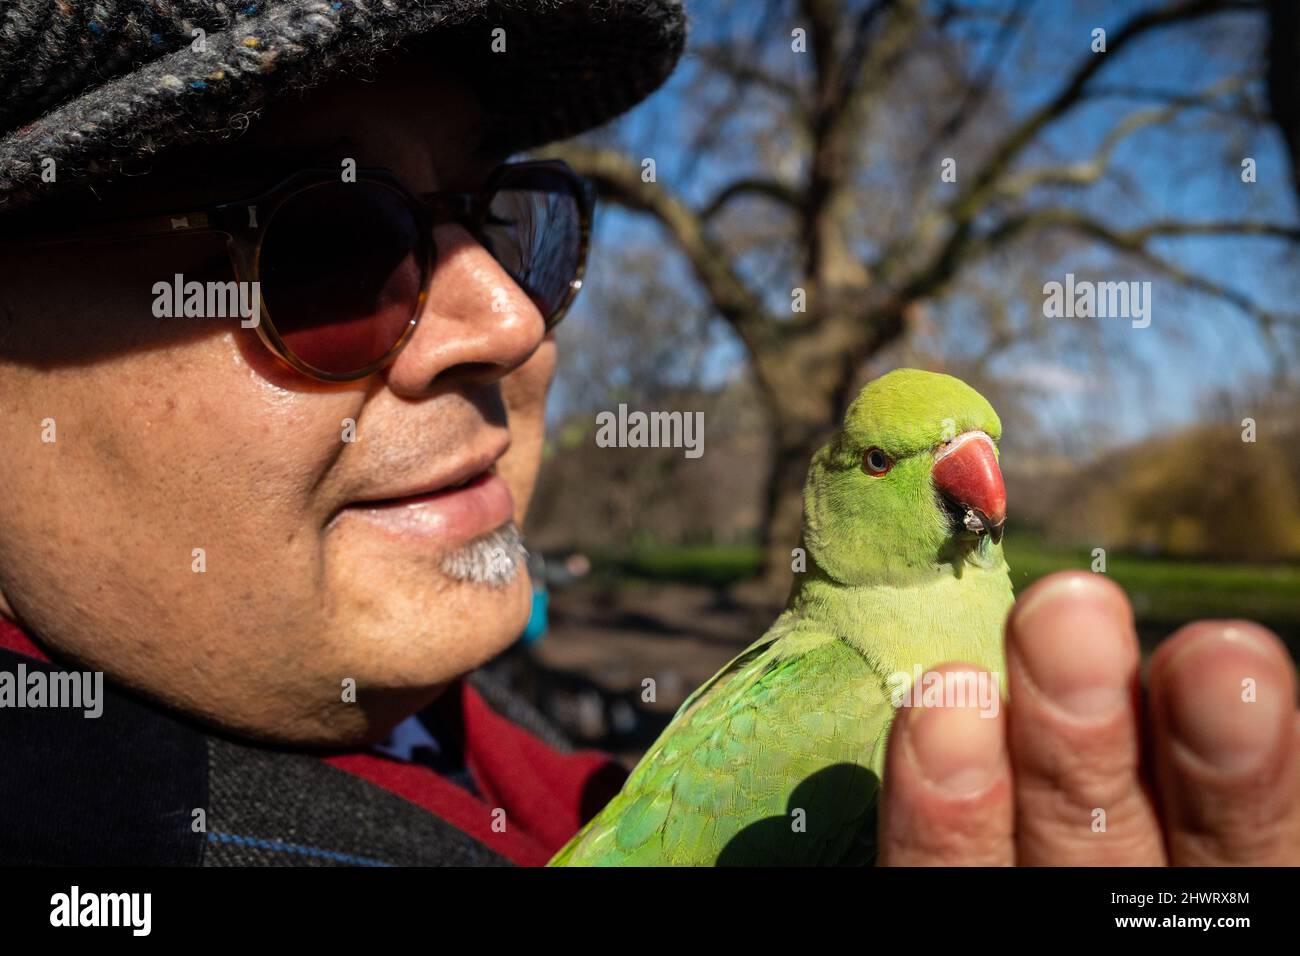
(909, 484)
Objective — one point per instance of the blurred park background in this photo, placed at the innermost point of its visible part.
(828, 189)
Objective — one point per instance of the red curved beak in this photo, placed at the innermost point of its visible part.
(966, 472)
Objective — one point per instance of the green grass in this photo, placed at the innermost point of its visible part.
(705, 565)
(1164, 591)
(1169, 590)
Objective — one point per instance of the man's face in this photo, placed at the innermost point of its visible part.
(178, 434)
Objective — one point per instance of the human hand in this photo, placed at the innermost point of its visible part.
(1202, 769)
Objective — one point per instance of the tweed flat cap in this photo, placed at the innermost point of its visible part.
(98, 85)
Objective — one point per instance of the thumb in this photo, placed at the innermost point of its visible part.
(947, 798)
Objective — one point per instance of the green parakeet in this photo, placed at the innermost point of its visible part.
(777, 759)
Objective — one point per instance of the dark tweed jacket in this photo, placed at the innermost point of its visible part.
(124, 788)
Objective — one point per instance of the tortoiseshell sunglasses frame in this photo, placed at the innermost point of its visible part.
(244, 223)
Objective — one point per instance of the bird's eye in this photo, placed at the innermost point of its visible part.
(877, 462)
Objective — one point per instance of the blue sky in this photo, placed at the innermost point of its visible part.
(1189, 171)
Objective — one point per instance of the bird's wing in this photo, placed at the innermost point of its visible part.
(776, 760)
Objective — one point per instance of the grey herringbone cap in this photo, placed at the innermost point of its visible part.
(98, 85)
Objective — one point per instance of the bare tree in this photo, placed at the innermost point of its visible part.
(816, 268)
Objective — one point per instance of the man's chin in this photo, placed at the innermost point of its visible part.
(425, 639)
(388, 671)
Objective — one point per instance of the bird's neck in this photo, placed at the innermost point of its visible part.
(955, 613)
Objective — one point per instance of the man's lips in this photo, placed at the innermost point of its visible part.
(461, 503)
(448, 516)
(464, 472)
(419, 498)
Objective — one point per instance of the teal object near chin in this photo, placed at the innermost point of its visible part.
(535, 629)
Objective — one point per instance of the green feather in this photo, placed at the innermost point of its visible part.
(777, 759)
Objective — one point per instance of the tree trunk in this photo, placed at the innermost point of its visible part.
(783, 511)
(804, 380)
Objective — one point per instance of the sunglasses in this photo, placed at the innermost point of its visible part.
(344, 267)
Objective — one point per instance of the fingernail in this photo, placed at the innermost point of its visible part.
(1227, 701)
(956, 748)
(1075, 637)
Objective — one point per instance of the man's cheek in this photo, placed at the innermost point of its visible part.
(524, 393)
(518, 467)
(524, 390)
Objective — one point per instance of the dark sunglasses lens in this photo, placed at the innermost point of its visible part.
(534, 229)
(342, 268)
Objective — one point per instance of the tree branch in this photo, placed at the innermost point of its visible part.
(842, 80)
(1134, 241)
(934, 275)
(1091, 170)
(748, 73)
(1241, 107)
(619, 180)
(779, 192)
(972, 199)
(981, 83)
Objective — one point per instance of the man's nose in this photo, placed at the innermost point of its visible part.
(476, 325)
